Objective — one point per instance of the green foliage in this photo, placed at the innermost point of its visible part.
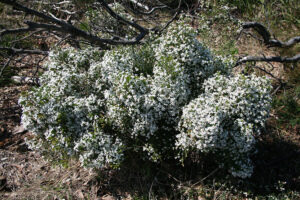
(8, 40)
(243, 6)
(287, 103)
(288, 108)
(287, 11)
(5, 78)
(83, 3)
(283, 11)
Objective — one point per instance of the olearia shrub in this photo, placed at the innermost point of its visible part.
(162, 100)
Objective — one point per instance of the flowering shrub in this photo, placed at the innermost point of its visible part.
(159, 100)
(225, 118)
(64, 112)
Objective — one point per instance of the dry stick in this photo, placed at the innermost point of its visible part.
(270, 74)
(28, 36)
(173, 18)
(219, 189)
(272, 66)
(61, 40)
(276, 90)
(145, 13)
(38, 66)
(150, 190)
(140, 4)
(15, 31)
(203, 179)
(5, 65)
(262, 69)
(280, 59)
(170, 176)
(152, 10)
(64, 11)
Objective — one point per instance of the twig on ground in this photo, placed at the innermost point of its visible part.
(209, 175)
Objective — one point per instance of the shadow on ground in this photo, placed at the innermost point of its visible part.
(276, 174)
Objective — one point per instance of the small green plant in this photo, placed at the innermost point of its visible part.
(287, 102)
(5, 78)
(288, 108)
(243, 6)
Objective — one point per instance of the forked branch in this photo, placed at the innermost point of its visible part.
(270, 42)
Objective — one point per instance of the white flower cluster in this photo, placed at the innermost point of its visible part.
(225, 118)
(65, 112)
(148, 87)
(148, 99)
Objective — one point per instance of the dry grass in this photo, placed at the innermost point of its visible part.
(29, 176)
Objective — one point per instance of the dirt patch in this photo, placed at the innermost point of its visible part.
(27, 175)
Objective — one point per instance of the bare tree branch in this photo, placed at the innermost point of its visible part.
(267, 72)
(23, 51)
(152, 10)
(15, 31)
(65, 27)
(279, 59)
(149, 12)
(263, 31)
(28, 36)
(140, 4)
